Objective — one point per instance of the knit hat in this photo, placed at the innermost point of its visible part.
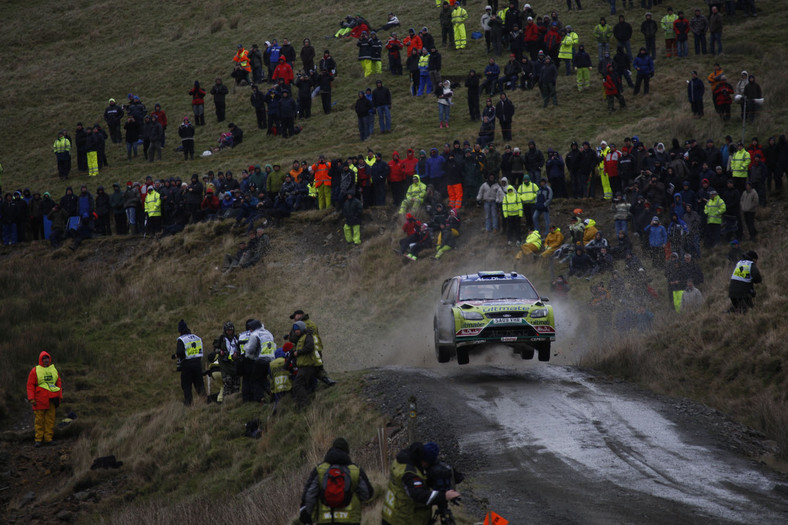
(341, 444)
(182, 327)
(431, 451)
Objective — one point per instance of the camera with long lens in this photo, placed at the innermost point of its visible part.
(441, 476)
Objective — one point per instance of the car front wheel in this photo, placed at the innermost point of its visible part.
(443, 352)
(543, 347)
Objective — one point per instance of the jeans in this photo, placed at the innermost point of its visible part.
(621, 226)
(602, 47)
(490, 215)
(131, 217)
(384, 118)
(627, 47)
(683, 48)
(613, 7)
(370, 124)
(425, 86)
(131, 146)
(546, 215)
(716, 37)
(700, 44)
(9, 234)
(363, 126)
(443, 111)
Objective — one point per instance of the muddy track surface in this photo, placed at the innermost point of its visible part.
(552, 444)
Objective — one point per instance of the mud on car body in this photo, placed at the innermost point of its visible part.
(492, 307)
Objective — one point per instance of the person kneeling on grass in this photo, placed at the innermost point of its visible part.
(532, 244)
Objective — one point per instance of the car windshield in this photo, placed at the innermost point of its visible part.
(498, 290)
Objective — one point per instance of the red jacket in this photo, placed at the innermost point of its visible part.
(161, 116)
(210, 203)
(410, 162)
(283, 70)
(360, 28)
(39, 394)
(396, 169)
(611, 82)
(611, 163)
(531, 33)
(198, 95)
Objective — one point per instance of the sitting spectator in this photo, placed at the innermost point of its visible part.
(622, 247)
(553, 241)
(581, 265)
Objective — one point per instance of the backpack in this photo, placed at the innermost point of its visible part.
(336, 489)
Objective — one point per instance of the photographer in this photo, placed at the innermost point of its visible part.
(408, 499)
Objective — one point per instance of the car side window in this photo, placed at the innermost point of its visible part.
(452, 297)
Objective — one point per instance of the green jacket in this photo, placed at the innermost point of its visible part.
(602, 33)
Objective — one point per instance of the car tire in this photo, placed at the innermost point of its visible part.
(443, 352)
(462, 356)
(527, 353)
(543, 347)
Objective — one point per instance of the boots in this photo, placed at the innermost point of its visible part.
(328, 381)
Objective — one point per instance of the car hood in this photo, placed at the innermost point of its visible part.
(499, 304)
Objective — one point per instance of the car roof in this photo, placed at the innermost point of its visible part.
(490, 276)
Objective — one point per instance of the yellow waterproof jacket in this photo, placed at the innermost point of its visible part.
(511, 203)
(534, 238)
(153, 204)
(567, 46)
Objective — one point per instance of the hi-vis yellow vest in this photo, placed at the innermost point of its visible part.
(47, 378)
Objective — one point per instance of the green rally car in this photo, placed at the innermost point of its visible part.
(492, 308)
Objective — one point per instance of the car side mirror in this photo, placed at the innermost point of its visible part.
(544, 299)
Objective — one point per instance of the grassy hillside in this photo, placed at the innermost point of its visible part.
(109, 312)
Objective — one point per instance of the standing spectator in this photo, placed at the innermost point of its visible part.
(324, 80)
(434, 67)
(681, 27)
(304, 84)
(287, 113)
(186, 133)
(351, 210)
(365, 54)
(602, 33)
(328, 63)
(491, 196)
(257, 99)
(583, 67)
(62, 149)
(622, 31)
(80, 137)
(243, 67)
(485, 23)
(715, 31)
(566, 52)
(91, 144)
(504, 111)
(219, 92)
(622, 66)
(103, 211)
(753, 98)
(447, 29)
(308, 56)
(188, 351)
(256, 62)
(749, 205)
(153, 134)
(555, 174)
(288, 51)
(670, 33)
(161, 117)
(699, 25)
(198, 101)
(44, 393)
(695, 90)
(723, 98)
(116, 202)
(394, 47)
(445, 95)
(363, 108)
(547, 81)
(472, 83)
(644, 67)
(649, 29)
(612, 86)
(112, 116)
(376, 52)
(512, 211)
(657, 238)
(425, 85)
(714, 209)
(412, 65)
(542, 206)
(458, 18)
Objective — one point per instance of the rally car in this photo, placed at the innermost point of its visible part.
(492, 308)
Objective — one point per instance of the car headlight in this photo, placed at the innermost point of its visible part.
(538, 313)
(472, 316)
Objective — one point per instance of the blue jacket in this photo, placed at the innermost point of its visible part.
(657, 236)
(643, 64)
(434, 167)
(492, 70)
